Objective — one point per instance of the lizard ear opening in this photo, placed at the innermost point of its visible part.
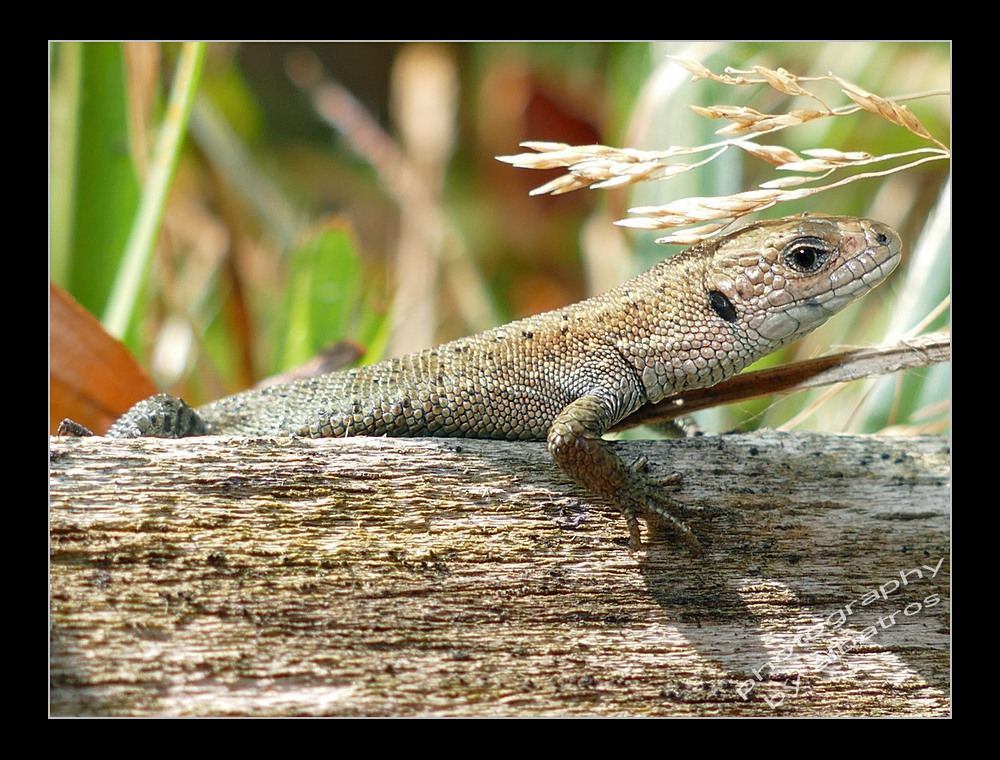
(722, 306)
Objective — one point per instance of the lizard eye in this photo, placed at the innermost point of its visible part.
(807, 254)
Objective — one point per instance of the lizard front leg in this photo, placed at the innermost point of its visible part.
(576, 444)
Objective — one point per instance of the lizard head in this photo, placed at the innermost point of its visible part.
(779, 280)
(710, 312)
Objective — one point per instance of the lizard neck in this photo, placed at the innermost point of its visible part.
(674, 338)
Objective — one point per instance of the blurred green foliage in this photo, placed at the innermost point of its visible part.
(100, 181)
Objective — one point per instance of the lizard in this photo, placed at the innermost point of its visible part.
(568, 375)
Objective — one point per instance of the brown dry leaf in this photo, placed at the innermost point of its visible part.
(93, 378)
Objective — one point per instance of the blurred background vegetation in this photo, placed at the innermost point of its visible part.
(284, 197)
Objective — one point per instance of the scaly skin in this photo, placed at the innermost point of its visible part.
(570, 374)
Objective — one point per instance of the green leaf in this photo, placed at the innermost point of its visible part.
(106, 190)
(325, 299)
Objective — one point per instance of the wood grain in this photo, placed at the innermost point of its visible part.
(448, 577)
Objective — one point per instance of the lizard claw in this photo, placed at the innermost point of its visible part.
(640, 468)
(659, 512)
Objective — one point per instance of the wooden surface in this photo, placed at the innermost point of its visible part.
(449, 577)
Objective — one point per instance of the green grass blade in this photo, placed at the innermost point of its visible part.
(139, 248)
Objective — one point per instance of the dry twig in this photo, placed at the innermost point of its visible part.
(601, 166)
